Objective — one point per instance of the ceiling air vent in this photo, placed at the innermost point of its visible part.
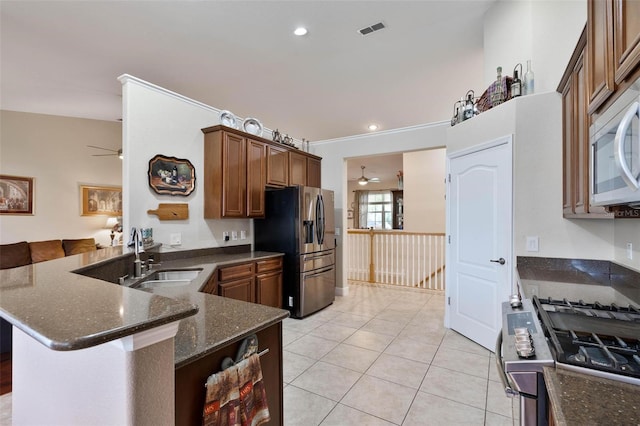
(372, 28)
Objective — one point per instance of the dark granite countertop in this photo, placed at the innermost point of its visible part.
(579, 399)
(220, 321)
(67, 311)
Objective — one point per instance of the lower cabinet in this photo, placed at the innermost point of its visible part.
(255, 282)
(190, 379)
(243, 289)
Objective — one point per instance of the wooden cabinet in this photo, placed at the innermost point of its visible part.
(277, 166)
(237, 282)
(626, 37)
(190, 378)
(314, 173)
(304, 170)
(613, 49)
(224, 175)
(575, 137)
(256, 172)
(255, 282)
(599, 52)
(297, 169)
(269, 282)
(239, 166)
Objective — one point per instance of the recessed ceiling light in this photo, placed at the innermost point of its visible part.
(300, 31)
(373, 127)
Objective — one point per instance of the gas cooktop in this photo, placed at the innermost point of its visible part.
(598, 339)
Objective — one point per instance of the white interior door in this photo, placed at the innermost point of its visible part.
(479, 255)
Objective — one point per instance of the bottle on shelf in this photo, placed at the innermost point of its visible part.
(497, 97)
(529, 80)
(516, 84)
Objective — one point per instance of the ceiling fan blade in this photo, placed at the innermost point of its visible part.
(105, 149)
(103, 155)
(374, 179)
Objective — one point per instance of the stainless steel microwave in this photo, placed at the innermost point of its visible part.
(614, 157)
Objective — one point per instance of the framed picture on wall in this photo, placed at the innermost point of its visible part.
(101, 200)
(171, 175)
(16, 195)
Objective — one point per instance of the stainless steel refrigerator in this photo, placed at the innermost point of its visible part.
(299, 222)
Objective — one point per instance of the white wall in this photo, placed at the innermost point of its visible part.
(545, 31)
(536, 123)
(157, 121)
(424, 191)
(334, 154)
(53, 150)
(627, 231)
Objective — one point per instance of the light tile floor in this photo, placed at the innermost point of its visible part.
(381, 356)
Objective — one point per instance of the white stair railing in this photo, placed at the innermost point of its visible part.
(400, 258)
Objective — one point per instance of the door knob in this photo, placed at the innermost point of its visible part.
(500, 261)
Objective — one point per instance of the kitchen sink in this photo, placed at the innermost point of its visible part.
(173, 278)
(176, 275)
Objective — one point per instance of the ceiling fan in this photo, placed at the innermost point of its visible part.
(117, 152)
(363, 180)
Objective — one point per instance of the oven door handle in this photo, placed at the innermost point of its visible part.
(510, 391)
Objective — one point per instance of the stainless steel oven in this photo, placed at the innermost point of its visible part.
(521, 354)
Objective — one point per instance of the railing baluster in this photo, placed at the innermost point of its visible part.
(399, 258)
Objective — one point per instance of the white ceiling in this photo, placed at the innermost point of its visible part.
(63, 58)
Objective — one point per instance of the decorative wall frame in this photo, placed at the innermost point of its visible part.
(171, 175)
(101, 200)
(16, 195)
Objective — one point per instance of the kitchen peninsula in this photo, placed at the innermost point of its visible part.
(109, 347)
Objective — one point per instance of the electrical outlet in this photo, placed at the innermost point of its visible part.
(234, 235)
(532, 243)
(243, 235)
(225, 236)
(175, 239)
(630, 251)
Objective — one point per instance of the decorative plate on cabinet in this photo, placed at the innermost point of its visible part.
(228, 119)
(252, 126)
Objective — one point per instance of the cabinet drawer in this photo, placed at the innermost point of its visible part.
(235, 271)
(268, 265)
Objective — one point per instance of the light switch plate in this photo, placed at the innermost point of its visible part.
(630, 251)
(234, 235)
(243, 235)
(175, 239)
(532, 244)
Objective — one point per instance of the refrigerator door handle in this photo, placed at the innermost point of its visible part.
(318, 272)
(320, 219)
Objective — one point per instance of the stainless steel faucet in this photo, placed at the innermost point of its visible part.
(135, 240)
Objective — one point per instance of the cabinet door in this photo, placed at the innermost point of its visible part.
(234, 272)
(269, 289)
(297, 169)
(600, 74)
(626, 22)
(580, 140)
(233, 176)
(256, 174)
(277, 166)
(313, 172)
(567, 148)
(211, 285)
(242, 289)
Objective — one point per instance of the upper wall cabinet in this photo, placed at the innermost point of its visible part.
(626, 37)
(600, 82)
(613, 48)
(575, 138)
(238, 166)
